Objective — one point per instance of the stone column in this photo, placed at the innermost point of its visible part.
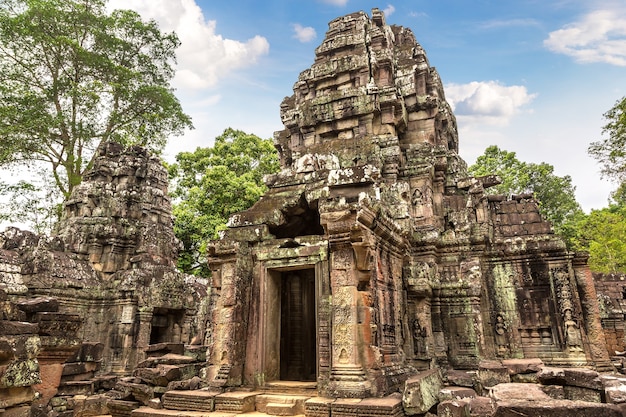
(593, 325)
(348, 378)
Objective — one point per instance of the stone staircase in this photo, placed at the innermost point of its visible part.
(279, 399)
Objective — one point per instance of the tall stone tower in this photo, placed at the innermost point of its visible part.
(373, 254)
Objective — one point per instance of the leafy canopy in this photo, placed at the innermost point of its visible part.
(73, 76)
(210, 184)
(555, 194)
(610, 152)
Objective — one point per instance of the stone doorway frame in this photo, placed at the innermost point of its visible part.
(271, 323)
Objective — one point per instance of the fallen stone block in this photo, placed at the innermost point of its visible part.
(582, 394)
(517, 391)
(454, 408)
(491, 373)
(482, 407)
(576, 377)
(421, 392)
(461, 378)
(455, 393)
(555, 408)
(522, 366)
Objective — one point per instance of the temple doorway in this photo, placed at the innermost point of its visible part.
(298, 358)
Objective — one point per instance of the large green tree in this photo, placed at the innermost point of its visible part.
(555, 194)
(72, 76)
(210, 184)
(610, 151)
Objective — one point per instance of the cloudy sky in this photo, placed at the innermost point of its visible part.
(533, 76)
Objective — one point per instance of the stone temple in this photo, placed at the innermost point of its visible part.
(374, 278)
(374, 254)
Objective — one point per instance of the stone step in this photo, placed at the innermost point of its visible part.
(192, 400)
(281, 404)
(236, 401)
(152, 412)
(291, 387)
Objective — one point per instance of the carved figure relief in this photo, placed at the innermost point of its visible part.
(573, 337)
(501, 329)
(419, 338)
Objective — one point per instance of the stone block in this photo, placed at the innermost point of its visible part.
(555, 408)
(421, 392)
(517, 391)
(491, 373)
(318, 407)
(482, 407)
(20, 373)
(50, 380)
(11, 397)
(280, 409)
(461, 378)
(582, 394)
(121, 408)
(576, 377)
(76, 388)
(87, 406)
(21, 411)
(88, 352)
(241, 402)
(454, 408)
(615, 391)
(159, 376)
(192, 400)
(76, 368)
(554, 391)
(390, 406)
(455, 393)
(35, 305)
(522, 366)
(8, 327)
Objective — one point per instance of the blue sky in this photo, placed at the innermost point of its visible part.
(533, 77)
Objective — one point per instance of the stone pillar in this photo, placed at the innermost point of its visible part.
(597, 348)
(347, 378)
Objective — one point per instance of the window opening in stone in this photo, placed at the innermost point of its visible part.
(166, 325)
(297, 326)
(300, 220)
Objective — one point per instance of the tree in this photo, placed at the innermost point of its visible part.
(73, 76)
(610, 152)
(555, 194)
(210, 184)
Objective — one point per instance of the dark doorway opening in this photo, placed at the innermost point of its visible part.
(297, 329)
(166, 325)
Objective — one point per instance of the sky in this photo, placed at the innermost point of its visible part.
(533, 77)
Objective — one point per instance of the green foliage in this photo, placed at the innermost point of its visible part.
(603, 234)
(555, 194)
(210, 184)
(40, 213)
(610, 152)
(73, 76)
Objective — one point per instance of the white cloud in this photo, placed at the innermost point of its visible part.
(487, 101)
(599, 36)
(388, 11)
(304, 34)
(204, 56)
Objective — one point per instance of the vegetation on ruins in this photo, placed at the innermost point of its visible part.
(210, 184)
(554, 194)
(72, 76)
